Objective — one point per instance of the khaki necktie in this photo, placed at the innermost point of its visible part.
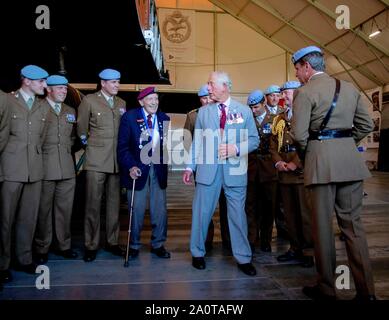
(110, 101)
(57, 108)
(30, 102)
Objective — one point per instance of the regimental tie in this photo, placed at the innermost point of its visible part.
(223, 116)
(149, 123)
(30, 102)
(110, 101)
(57, 108)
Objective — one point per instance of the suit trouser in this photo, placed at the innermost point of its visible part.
(204, 204)
(55, 212)
(19, 205)
(346, 199)
(224, 231)
(95, 183)
(158, 212)
(298, 217)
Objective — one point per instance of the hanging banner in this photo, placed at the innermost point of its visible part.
(373, 139)
(178, 34)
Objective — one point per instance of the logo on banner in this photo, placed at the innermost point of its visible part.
(176, 28)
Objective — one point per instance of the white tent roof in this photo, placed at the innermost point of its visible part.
(351, 54)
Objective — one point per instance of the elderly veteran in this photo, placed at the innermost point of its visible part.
(142, 156)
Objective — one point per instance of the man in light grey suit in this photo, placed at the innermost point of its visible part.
(225, 133)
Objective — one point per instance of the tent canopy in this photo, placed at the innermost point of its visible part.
(351, 54)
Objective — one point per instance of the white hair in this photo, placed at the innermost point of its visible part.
(223, 78)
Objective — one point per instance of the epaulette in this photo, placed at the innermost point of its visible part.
(194, 110)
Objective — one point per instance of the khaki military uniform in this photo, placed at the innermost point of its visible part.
(334, 172)
(100, 124)
(59, 182)
(261, 200)
(22, 165)
(294, 196)
(4, 125)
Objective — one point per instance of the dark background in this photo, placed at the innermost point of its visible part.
(90, 36)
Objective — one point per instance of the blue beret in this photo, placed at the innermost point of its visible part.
(255, 97)
(56, 80)
(303, 52)
(145, 92)
(34, 72)
(290, 85)
(109, 74)
(203, 91)
(272, 89)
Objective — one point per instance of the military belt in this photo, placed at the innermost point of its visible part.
(330, 134)
(286, 148)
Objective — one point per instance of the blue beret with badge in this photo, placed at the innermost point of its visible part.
(290, 85)
(255, 97)
(56, 80)
(203, 91)
(33, 72)
(272, 89)
(109, 74)
(299, 54)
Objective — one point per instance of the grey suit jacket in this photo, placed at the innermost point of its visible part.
(240, 130)
(334, 160)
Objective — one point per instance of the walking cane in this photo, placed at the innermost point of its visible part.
(129, 223)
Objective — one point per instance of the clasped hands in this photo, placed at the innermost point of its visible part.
(286, 166)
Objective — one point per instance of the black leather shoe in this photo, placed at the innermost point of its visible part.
(90, 255)
(198, 263)
(5, 276)
(266, 248)
(41, 258)
(133, 253)
(360, 297)
(288, 256)
(161, 252)
(67, 254)
(315, 294)
(247, 268)
(307, 262)
(116, 250)
(27, 268)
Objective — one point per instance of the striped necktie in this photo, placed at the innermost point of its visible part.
(57, 109)
(110, 101)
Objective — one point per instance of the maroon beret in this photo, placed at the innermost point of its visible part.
(145, 92)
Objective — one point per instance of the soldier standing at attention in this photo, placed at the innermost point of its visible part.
(22, 166)
(98, 125)
(59, 180)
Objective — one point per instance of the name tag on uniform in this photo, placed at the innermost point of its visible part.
(122, 111)
(70, 118)
(235, 118)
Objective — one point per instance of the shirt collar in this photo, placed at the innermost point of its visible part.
(105, 96)
(146, 113)
(25, 95)
(316, 73)
(51, 102)
(272, 110)
(226, 103)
